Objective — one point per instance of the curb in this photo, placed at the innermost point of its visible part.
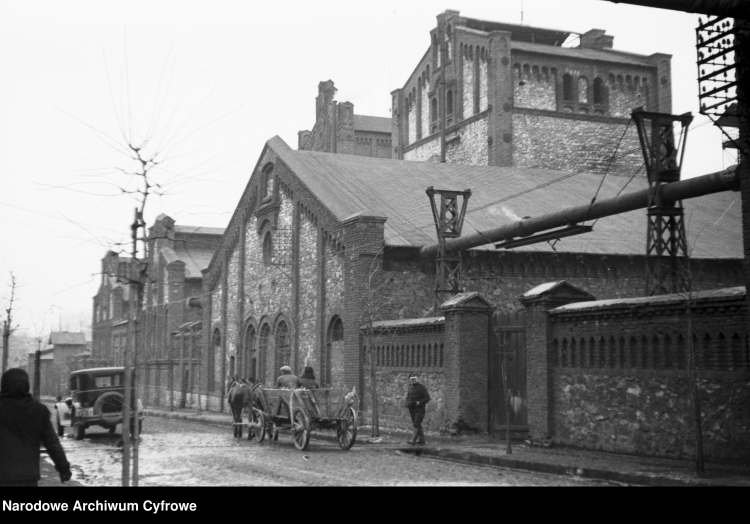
(558, 469)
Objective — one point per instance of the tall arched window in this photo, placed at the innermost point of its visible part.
(251, 354)
(263, 339)
(283, 351)
(599, 93)
(268, 248)
(266, 182)
(334, 349)
(433, 109)
(567, 87)
(449, 102)
(215, 349)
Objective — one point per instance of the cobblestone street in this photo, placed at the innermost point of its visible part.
(179, 453)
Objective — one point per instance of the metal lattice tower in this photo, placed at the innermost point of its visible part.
(449, 220)
(666, 242)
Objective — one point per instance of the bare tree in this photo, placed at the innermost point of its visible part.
(8, 327)
(374, 307)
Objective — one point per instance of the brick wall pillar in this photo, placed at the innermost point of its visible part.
(537, 302)
(173, 299)
(363, 255)
(500, 97)
(465, 361)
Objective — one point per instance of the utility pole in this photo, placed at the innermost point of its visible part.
(7, 327)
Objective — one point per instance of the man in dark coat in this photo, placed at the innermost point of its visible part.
(308, 379)
(287, 379)
(24, 424)
(416, 400)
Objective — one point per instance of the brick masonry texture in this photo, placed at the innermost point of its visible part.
(538, 139)
(468, 145)
(426, 151)
(309, 296)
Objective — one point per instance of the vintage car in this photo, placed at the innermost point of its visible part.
(97, 400)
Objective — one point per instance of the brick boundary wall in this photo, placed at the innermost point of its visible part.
(618, 378)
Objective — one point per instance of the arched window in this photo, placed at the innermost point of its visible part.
(265, 335)
(567, 87)
(251, 354)
(334, 349)
(449, 102)
(599, 96)
(266, 181)
(283, 351)
(448, 43)
(215, 349)
(268, 248)
(433, 109)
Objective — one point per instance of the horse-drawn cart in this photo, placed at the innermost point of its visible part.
(301, 410)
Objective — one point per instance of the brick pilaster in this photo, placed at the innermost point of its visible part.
(466, 354)
(538, 301)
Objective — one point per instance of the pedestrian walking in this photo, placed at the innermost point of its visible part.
(24, 424)
(416, 400)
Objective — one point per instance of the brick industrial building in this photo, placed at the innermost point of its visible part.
(289, 283)
(338, 130)
(512, 95)
(175, 256)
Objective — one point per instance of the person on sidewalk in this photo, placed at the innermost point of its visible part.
(287, 379)
(416, 400)
(24, 424)
(308, 379)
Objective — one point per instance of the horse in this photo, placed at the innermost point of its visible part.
(241, 396)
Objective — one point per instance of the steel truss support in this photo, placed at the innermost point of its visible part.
(449, 219)
(666, 242)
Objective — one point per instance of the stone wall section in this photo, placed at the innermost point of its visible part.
(424, 151)
(412, 124)
(468, 144)
(620, 379)
(468, 85)
(234, 323)
(424, 109)
(505, 276)
(483, 90)
(589, 143)
(625, 95)
(535, 88)
(309, 354)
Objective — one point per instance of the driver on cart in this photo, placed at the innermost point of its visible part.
(287, 379)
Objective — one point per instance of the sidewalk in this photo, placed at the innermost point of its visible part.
(486, 451)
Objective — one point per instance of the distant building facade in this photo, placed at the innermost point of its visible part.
(514, 96)
(338, 130)
(61, 356)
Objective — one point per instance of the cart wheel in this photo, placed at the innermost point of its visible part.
(258, 427)
(347, 430)
(80, 431)
(300, 430)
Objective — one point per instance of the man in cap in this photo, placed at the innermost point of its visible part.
(416, 400)
(287, 379)
(24, 424)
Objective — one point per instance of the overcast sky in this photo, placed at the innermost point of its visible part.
(208, 83)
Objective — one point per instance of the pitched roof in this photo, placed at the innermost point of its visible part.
(395, 189)
(66, 338)
(197, 230)
(377, 124)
